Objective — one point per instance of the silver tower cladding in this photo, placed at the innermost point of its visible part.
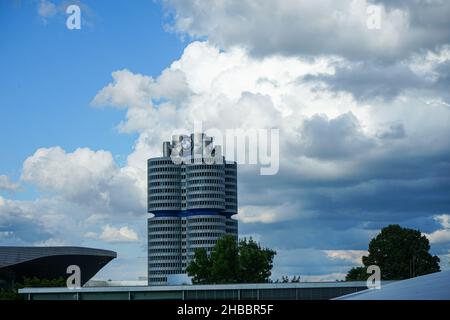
(192, 194)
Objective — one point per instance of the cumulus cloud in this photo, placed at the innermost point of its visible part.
(315, 27)
(137, 92)
(86, 177)
(444, 220)
(441, 235)
(363, 117)
(347, 166)
(345, 163)
(127, 90)
(115, 234)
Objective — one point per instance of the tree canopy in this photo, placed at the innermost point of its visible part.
(11, 293)
(232, 262)
(401, 253)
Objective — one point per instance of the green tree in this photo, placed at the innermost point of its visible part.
(35, 282)
(230, 262)
(401, 253)
(200, 267)
(255, 262)
(357, 274)
(285, 279)
(225, 261)
(12, 292)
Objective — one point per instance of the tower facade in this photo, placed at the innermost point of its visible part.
(192, 194)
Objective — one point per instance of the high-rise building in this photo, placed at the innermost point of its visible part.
(192, 194)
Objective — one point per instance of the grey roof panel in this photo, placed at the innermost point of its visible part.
(435, 286)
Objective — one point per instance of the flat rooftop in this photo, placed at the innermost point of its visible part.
(260, 291)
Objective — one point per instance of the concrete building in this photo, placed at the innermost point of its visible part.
(192, 194)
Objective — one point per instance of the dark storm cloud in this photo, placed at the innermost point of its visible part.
(309, 233)
(386, 180)
(370, 80)
(347, 218)
(396, 182)
(336, 138)
(443, 80)
(394, 131)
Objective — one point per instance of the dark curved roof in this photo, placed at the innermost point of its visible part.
(14, 255)
(52, 262)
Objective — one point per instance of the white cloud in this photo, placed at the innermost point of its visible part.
(331, 147)
(444, 220)
(230, 89)
(334, 148)
(46, 9)
(130, 90)
(353, 256)
(441, 235)
(7, 185)
(115, 234)
(91, 234)
(127, 90)
(172, 85)
(86, 177)
(78, 190)
(326, 137)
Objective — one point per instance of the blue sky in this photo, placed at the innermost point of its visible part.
(52, 73)
(363, 114)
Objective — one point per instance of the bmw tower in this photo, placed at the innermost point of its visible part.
(192, 194)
